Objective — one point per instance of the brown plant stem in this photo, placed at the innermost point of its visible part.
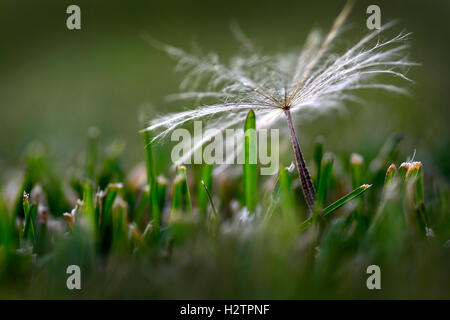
(305, 177)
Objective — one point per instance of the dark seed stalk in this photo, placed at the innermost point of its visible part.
(305, 177)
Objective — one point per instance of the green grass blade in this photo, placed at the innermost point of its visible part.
(277, 190)
(106, 217)
(206, 178)
(403, 169)
(185, 190)
(213, 221)
(88, 202)
(120, 224)
(250, 165)
(390, 174)
(342, 201)
(336, 205)
(162, 189)
(149, 158)
(143, 202)
(111, 193)
(326, 173)
(209, 198)
(154, 195)
(305, 224)
(29, 229)
(177, 195)
(33, 170)
(286, 194)
(414, 177)
(156, 212)
(356, 168)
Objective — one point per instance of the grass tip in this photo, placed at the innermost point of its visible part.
(391, 169)
(405, 165)
(162, 180)
(414, 166)
(115, 186)
(356, 158)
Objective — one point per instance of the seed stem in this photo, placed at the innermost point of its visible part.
(305, 177)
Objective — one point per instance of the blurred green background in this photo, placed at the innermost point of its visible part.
(56, 83)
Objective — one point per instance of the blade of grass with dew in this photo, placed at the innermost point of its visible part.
(120, 224)
(326, 173)
(286, 194)
(403, 169)
(356, 170)
(177, 196)
(88, 208)
(213, 221)
(389, 220)
(181, 226)
(149, 157)
(390, 174)
(414, 176)
(337, 204)
(209, 198)
(111, 193)
(29, 229)
(185, 190)
(206, 178)
(106, 216)
(33, 167)
(250, 166)
(356, 163)
(154, 197)
(276, 193)
(162, 189)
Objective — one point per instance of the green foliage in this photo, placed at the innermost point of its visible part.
(151, 180)
(326, 173)
(339, 203)
(203, 196)
(250, 167)
(29, 228)
(142, 240)
(318, 154)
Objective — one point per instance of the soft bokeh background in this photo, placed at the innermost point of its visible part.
(57, 83)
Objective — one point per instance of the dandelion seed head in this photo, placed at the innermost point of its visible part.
(309, 82)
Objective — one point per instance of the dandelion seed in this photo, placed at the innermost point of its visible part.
(283, 84)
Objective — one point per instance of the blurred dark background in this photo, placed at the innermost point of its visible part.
(56, 83)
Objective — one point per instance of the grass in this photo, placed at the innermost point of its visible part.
(250, 169)
(133, 238)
